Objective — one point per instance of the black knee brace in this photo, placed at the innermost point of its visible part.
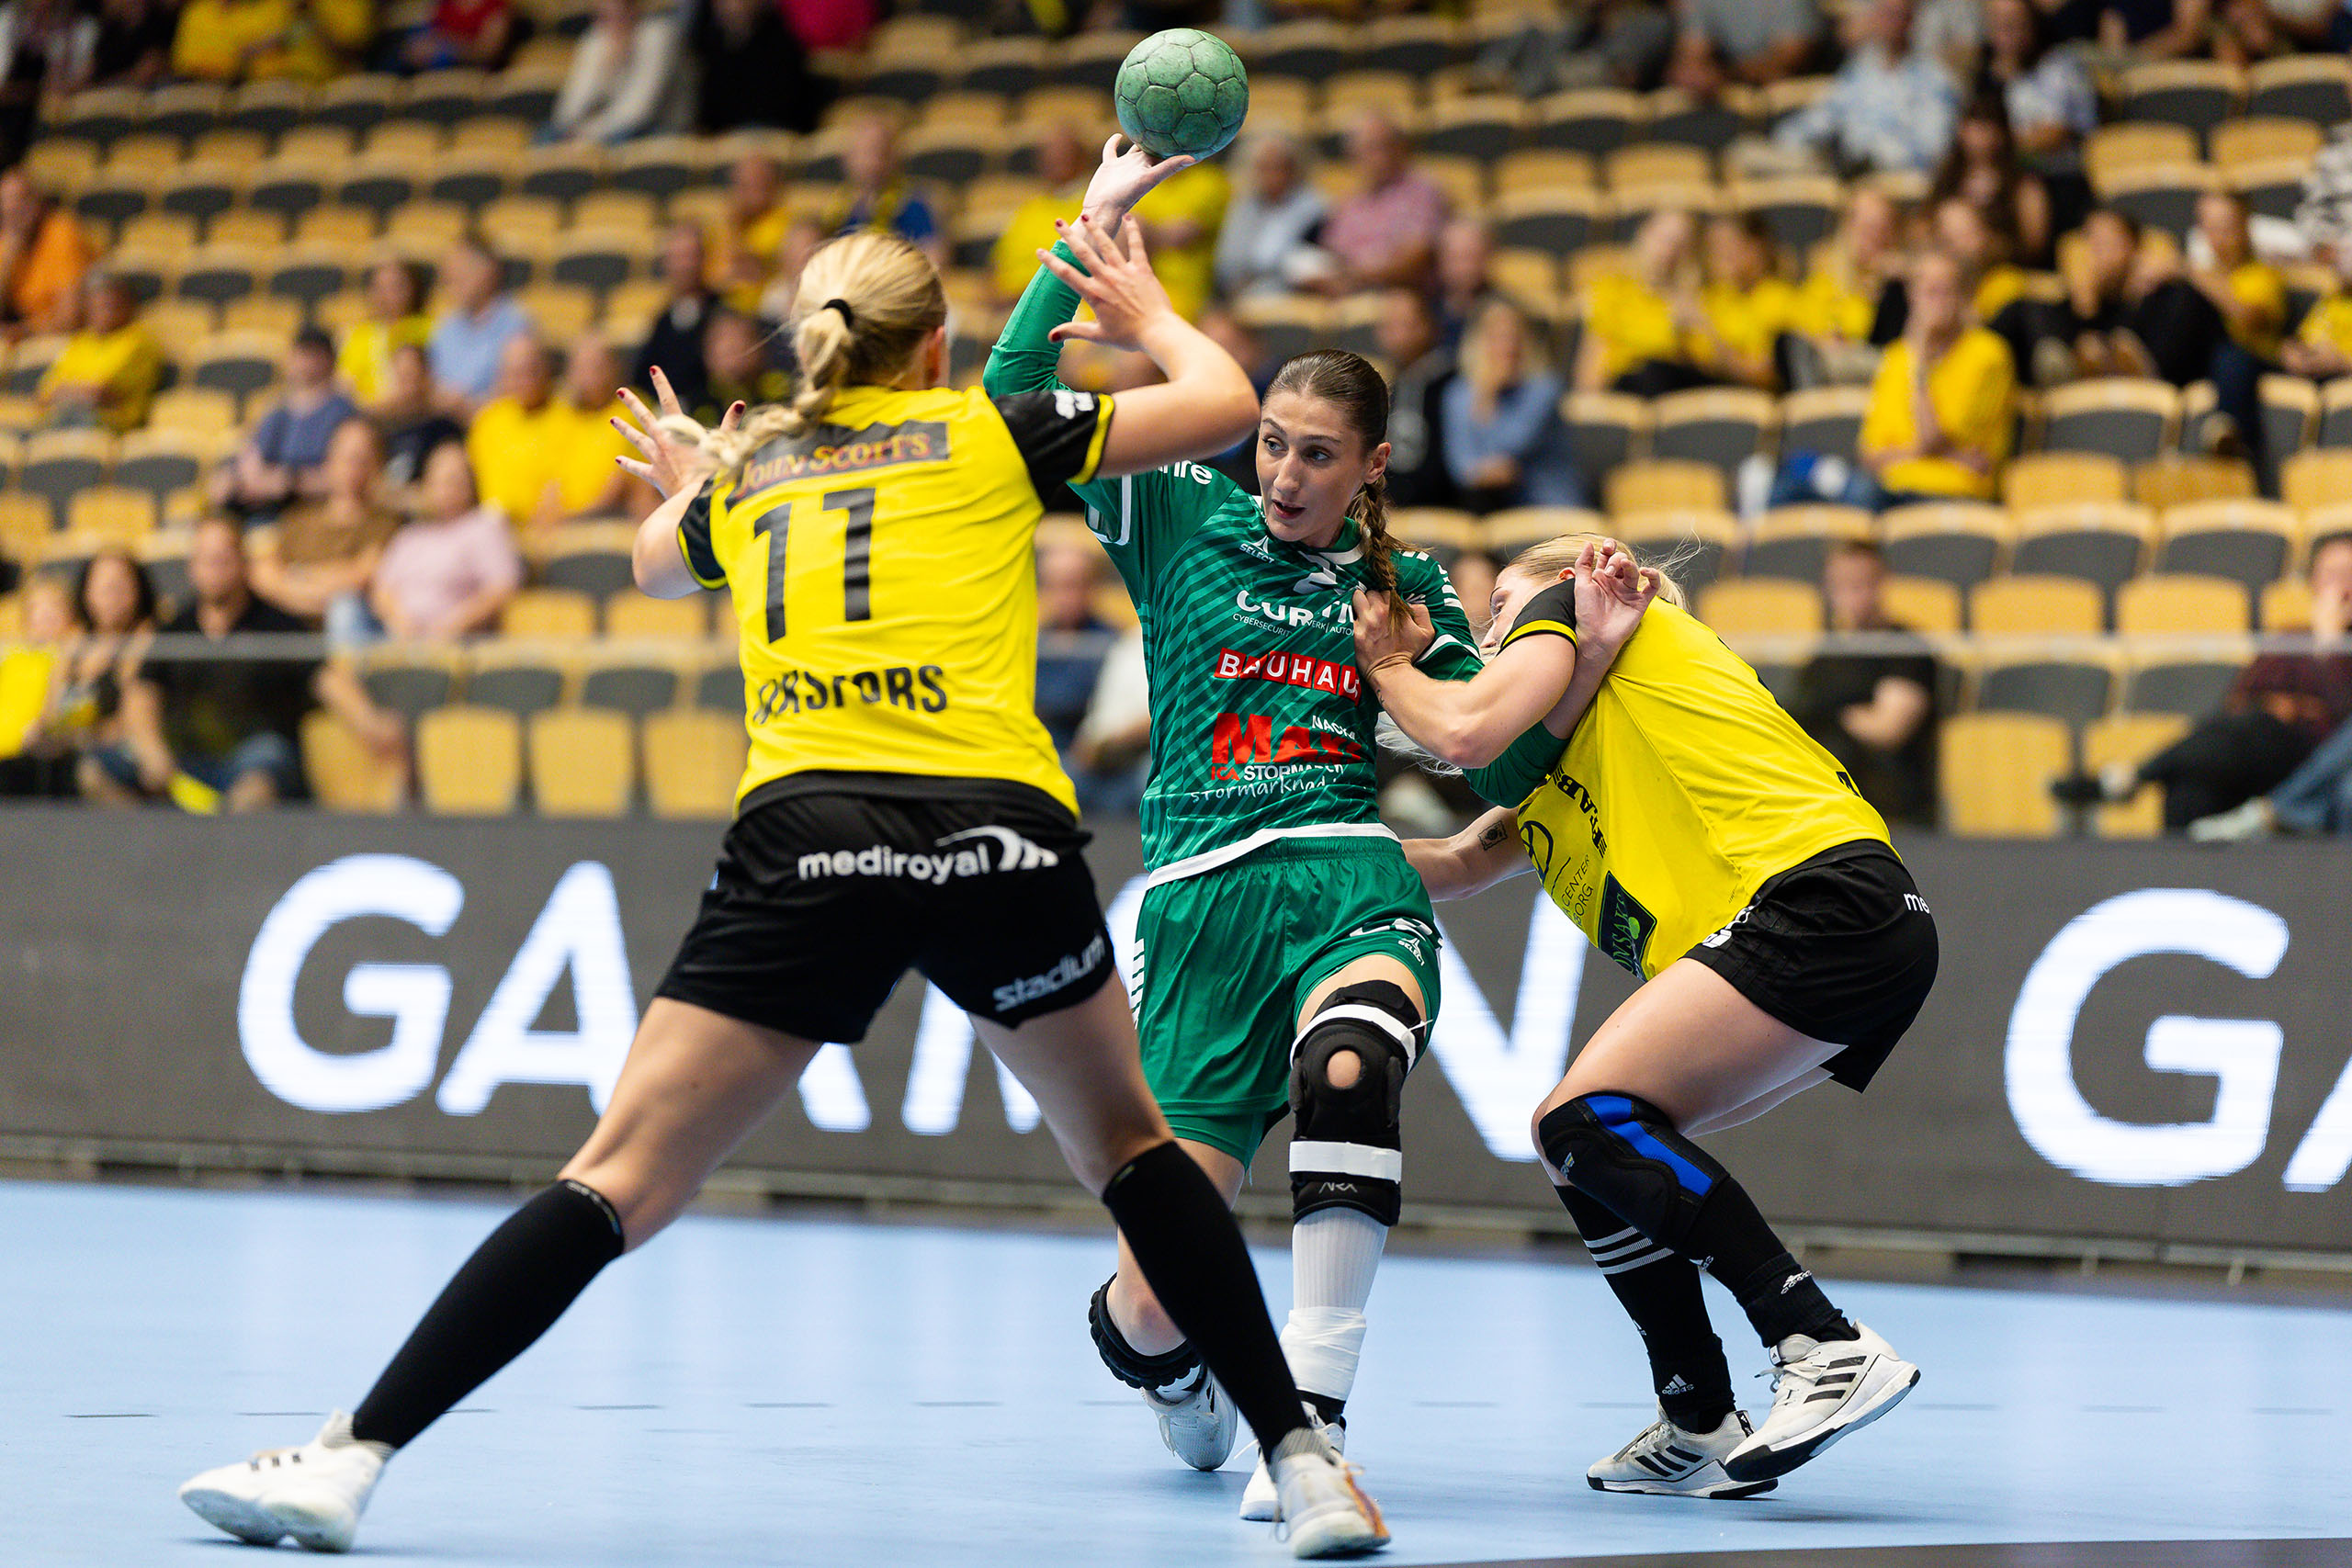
(1127, 1364)
(1626, 1153)
(1348, 1150)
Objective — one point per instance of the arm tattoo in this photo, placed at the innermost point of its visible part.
(1495, 835)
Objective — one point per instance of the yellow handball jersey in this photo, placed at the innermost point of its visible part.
(1683, 788)
(883, 584)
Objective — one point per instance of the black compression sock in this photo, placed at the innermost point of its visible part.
(1659, 1291)
(1190, 1252)
(507, 1294)
(1733, 1241)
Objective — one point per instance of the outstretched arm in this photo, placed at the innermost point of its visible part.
(1472, 860)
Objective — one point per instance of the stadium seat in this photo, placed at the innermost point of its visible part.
(350, 231)
(1009, 66)
(631, 615)
(2162, 198)
(313, 143)
(240, 364)
(201, 191)
(1593, 122)
(1444, 530)
(1995, 770)
(2126, 417)
(2131, 147)
(1646, 164)
(195, 411)
(2321, 477)
(1800, 211)
(2269, 189)
(2196, 93)
(629, 685)
(408, 681)
(26, 523)
(60, 463)
(719, 689)
(1561, 219)
(355, 103)
(549, 613)
(517, 679)
(2030, 605)
(2074, 691)
(2285, 607)
(1350, 93)
(1922, 604)
(1825, 420)
(597, 260)
(2238, 143)
(1543, 168)
(527, 90)
(2105, 545)
(1710, 125)
(1692, 545)
(423, 230)
(1661, 486)
(32, 358)
(144, 157)
(161, 233)
(2249, 541)
(2188, 687)
(2130, 737)
(2309, 87)
(97, 115)
(470, 760)
(560, 311)
(2058, 478)
(2334, 409)
(582, 762)
(287, 188)
(220, 273)
(590, 557)
(1603, 430)
(1286, 325)
(1722, 425)
(1739, 606)
(346, 773)
(1507, 533)
(2169, 602)
(112, 514)
(307, 277)
(1794, 541)
(2177, 480)
(1481, 128)
(164, 555)
(694, 759)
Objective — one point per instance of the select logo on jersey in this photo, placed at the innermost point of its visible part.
(1068, 972)
(1288, 670)
(1626, 927)
(1240, 742)
(803, 691)
(991, 849)
(830, 449)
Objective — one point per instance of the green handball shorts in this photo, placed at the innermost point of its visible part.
(1228, 957)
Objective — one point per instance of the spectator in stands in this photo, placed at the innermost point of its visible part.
(1890, 108)
(222, 732)
(2251, 297)
(750, 233)
(1181, 218)
(2134, 313)
(1420, 368)
(2048, 92)
(1063, 166)
(1501, 419)
(1638, 323)
(408, 422)
(1072, 638)
(1744, 305)
(1609, 43)
(624, 78)
(259, 41)
(1266, 244)
(674, 341)
(395, 318)
(133, 44)
(470, 340)
(1472, 573)
(109, 370)
(2278, 712)
(1837, 308)
(61, 690)
(742, 369)
(875, 193)
(1465, 278)
(33, 761)
(1111, 757)
(752, 69)
(43, 257)
(544, 453)
(1943, 404)
(1874, 711)
(449, 572)
(801, 239)
(1959, 224)
(44, 51)
(2155, 29)
(480, 33)
(589, 481)
(315, 561)
(2322, 345)
(1982, 167)
(284, 459)
(1756, 43)
(1385, 234)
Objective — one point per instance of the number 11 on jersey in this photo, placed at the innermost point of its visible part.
(857, 555)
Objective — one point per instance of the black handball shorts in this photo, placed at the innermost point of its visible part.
(832, 886)
(1841, 947)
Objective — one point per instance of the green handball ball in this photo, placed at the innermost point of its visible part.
(1182, 92)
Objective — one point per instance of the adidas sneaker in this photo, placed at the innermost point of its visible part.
(1674, 1461)
(1197, 1421)
(1260, 1500)
(1821, 1390)
(314, 1493)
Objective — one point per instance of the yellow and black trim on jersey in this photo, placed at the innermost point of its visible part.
(1552, 613)
(1060, 433)
(694, 541)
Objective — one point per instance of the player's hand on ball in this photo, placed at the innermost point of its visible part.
(1117, 282)
(673, 458)
(1126, 174)
(1389, 630)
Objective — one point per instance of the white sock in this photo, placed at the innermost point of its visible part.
(1334, 1254)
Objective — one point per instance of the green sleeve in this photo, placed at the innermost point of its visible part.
(1513, 777)
(1454, 655)
(1142, 519)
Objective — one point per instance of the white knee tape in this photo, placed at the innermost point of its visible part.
(1323, 1346)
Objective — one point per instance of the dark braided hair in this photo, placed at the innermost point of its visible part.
(1353, 385)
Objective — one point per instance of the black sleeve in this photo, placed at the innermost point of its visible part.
(694, 541)
(1059, 433)
(1552, 613)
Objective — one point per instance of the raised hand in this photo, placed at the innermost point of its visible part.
(1125, 175)
(1384, 636)
(1116, 280)
(672, 461)
(1612, 594)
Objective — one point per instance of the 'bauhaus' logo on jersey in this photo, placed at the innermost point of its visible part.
(987, 850)
(1288, 670)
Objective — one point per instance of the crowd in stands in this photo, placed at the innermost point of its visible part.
(1553, 229)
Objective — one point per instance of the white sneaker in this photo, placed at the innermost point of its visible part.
(1821, 1391)
(1260, 1500)
(1324, 1513)
(1197, 1423)
(2235, 826)
(314, 1493)
(1674, 1461)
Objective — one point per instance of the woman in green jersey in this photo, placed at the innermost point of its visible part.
(1706, 842)
(1288, 954)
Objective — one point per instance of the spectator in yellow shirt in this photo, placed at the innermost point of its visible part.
(1745, 305)
(1837, 305)
(396, 319)
(2247, 290)
(1638, 324)
(1181, 216)
(744, 241)
(2321, 346)
(43, 255)
(253, 40)
(1062, 164)
(588, 482)
(543, 454)
(1943, 406)
(108, 371)
(33, 763)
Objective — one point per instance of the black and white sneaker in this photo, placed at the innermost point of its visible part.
(1821, 1390)
(1673, 1461)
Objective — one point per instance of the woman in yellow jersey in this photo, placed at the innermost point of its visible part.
(902, 808)
(1638, 323)
(1704, 841)
(1836, 306)
(1745, 305)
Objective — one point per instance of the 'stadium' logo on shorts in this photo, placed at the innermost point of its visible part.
(1626, 927)
(1238, 742)
(804, 691)
(986, 849)
(1072, 969)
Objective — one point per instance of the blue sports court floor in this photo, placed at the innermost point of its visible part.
(766, 1390)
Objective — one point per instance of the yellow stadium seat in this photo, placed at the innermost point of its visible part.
(143, 158)
(1437, 527)
(470, 760)
(549, 613)
(1651, 164)
(262, 313)
(2059, 478)
(348, 228)
(2266, 139)
(110, 512)
(1515, 528)
(425, 228)
(583, 763)
(172, 234)
(1665, 487)
(560, 311)
(25, 526)
(1995, 770)
(2178, 480)
(345, 774)
(1760, 606)
(694, 759)
(2130, 738)
(194, 410)
(2314, 479)
(1795, 541)
(2180, 603)
(1922, 604)
(2034, 605)
(1541, 169)
(2130, 146)
(629, 615)
(1352, 92)
(406, 140)
(627, 211)
(2286, 606)
(314, 143)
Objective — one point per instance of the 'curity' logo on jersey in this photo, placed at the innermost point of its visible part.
(991, 849)
(1239, 742)
(1288, 670)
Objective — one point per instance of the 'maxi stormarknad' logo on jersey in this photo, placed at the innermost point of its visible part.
(1241, 741)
